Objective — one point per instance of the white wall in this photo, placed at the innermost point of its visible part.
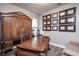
(62, 38)
(5, 7)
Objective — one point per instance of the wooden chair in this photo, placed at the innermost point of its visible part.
(47, 37)
(7, 46)
(24, 37)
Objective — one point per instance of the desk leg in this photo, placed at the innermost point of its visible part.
(46, 52)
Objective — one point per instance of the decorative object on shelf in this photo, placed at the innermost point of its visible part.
(62, 21)
(49, 28)
(46, 28)
(44, 22)
(47, 22)
(67, 20)
(62, 28)
(71, 20)
(71, 11)
(47, 17)
(62, 13)
(44, 17)
(55, 15)
(67, 28)
(54, 28)
(68, 12)
(71, 28)
(55, 21)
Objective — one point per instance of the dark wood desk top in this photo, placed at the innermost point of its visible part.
(40, 45)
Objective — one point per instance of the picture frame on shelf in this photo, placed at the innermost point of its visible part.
(46, 28)
(67, 28)
(44, 18)
(71, 11)
(71, 20)
(54, 28)
(62, 28)
(62, 20)
(47, 17)
(44, 22)
(55, 15)
(55, 21)
(48, 22)
(68, 20)
(62, 13)
(71, 28)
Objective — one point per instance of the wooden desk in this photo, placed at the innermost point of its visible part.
(31, 48)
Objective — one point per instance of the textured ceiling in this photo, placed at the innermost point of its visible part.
(38, 8)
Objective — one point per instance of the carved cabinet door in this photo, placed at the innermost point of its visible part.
(7, 28)
(15, 27)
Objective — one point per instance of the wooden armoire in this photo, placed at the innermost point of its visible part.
(15, 24)
(1, 34)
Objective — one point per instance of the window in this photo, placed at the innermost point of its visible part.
(34, 26)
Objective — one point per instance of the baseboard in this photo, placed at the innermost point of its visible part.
(57, 45)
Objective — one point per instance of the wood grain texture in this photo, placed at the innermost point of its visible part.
(41, 45)
(15, 24)
(31, 48)
(7, 28)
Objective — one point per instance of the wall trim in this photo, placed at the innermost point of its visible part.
(56, 45)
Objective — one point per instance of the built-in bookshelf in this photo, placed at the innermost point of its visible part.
(67, 20)
(62, 21)
(47, 22)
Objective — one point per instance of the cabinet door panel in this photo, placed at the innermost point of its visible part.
(15, 27)
(0, 29)
(7, 28)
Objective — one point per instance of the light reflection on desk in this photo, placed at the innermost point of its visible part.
(35, 41)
